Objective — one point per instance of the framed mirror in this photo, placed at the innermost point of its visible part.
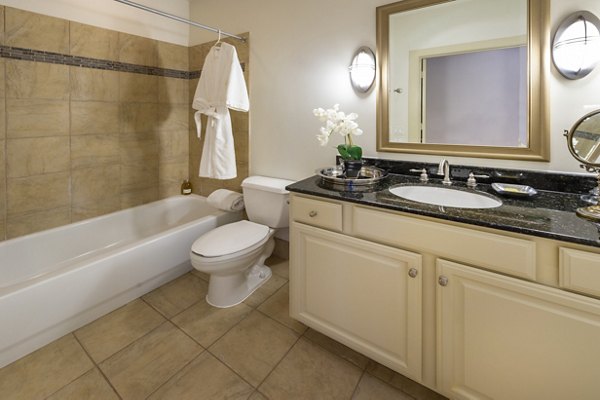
(464, 78)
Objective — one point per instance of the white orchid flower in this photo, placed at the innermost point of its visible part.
(337, 122)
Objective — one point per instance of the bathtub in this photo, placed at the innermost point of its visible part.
(55, 281)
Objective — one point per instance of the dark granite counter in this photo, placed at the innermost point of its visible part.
(549, 214)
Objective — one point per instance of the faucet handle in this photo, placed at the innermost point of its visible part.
(471, 182)
(423, 177)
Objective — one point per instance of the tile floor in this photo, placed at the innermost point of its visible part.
(169, 344)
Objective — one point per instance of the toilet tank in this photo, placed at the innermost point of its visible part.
(266, 200)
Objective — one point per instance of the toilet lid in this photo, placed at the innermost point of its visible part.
(229, 239)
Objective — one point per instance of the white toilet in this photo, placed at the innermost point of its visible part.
(234, 254)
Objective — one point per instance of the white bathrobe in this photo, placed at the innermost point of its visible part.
(221, 86)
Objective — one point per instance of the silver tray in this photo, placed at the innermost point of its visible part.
(514, 190)
(369, 176)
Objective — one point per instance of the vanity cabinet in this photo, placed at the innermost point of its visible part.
(363, 294)
(504, 338)
(471, 312)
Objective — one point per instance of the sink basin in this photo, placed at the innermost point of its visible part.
(446, 197)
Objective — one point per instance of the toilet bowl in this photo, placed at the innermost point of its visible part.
(236, 267)
(234, 254)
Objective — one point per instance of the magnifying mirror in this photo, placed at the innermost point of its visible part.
(583, 141)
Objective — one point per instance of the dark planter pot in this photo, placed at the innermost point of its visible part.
(352, 168)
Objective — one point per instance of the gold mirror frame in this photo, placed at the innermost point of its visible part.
(538, 47)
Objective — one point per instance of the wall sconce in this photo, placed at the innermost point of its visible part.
(576, 45)
(362, 70)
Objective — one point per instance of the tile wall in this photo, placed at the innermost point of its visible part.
(93, 121)
(239, 121)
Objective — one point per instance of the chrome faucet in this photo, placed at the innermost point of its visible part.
(444, 169)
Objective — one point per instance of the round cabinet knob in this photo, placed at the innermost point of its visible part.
(443, 281)
(413, 272)
(312, 214)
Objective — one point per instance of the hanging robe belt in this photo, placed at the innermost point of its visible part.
(212, 114)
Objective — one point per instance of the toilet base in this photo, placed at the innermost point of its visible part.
(231, 290)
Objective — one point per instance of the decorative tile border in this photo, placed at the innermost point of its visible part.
(17, 53)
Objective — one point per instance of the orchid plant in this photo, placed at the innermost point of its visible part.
(336, 122)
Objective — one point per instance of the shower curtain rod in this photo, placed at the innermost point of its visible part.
(180, 19)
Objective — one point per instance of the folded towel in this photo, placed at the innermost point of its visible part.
(226, 200)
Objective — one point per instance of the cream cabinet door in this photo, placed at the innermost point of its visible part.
(502, 338)
(365, 295)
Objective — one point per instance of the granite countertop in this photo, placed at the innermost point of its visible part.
(549, 214)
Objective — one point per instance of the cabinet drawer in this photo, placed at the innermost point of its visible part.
(499, 253)
(579, 271)
(319, 213)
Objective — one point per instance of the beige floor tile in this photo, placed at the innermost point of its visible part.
(44, 371)
(204, 378)
(371, 388)
(265, 291)
(206, 323)
(310, 372)
(401, 382)
(337, 348)
(257, 396)
(177, 295)
(278, 308)
(279, 266)
(111, 333)
(141, 368)
(202, 275)
(254, 347)
(91, 386)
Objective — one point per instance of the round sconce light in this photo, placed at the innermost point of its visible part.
(362, 70)
(576, 45)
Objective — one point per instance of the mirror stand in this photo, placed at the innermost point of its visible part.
(593, 196)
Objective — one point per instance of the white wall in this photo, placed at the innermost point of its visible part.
(299, 56)
(112, 15)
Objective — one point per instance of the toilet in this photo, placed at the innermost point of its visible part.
(234, 254)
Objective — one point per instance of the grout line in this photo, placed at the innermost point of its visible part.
(95, 366)
(354, 392)
(279, 362)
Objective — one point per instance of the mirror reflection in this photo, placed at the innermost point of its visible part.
(462, 77)
(584, 139)
(464, 84)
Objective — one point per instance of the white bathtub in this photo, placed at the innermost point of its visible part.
(55, 281)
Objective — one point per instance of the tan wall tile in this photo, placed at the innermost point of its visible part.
(2, 14)
(94, 150)
(173, 146)
(139, 176)
(34, 156)
(35, 31)
(94, 84)
(34, 118)
(2, 118)
(36, 80)
(137, 50)
(173, 90)
(172, 56)
(137, 117)
(2, 71)
(91, 117)
(3, 228)
(93, 42)
(138, 88)
(37, 193)
(173, 117)
(134, 198)
(24, 224)
(166, 189)
(193, 84)
(96, 191)
(136, 148)
(173, 172)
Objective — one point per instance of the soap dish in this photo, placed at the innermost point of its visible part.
(508, 189)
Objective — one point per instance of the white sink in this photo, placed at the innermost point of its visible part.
(446, 197)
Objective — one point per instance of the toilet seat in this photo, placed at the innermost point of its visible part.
(228, 240)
